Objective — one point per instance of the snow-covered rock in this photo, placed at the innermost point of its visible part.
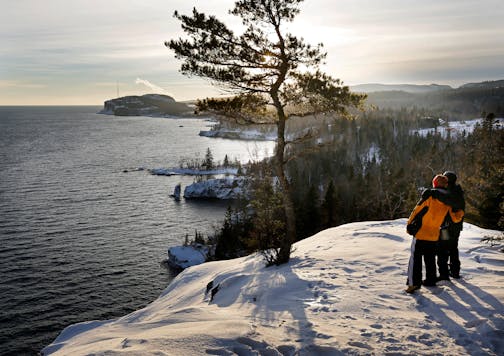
(241, 134)
(222, 188)
(342, 293)
(181, 257)
(192, 172)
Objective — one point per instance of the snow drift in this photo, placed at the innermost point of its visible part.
(341, 293)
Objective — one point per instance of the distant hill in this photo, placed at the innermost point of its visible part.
(485, 85)
(467, 101)
(145, 105)
(408, 88)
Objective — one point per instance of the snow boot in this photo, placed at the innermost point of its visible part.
(412, 289)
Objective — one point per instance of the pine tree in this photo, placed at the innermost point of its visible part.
(227, 245)
(308, 213)
(209, 160)
(485, 188)
(264, 61)
(329, 206)
(268, 220)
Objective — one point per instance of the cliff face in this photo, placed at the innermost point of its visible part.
(341, 293)
(145, 105)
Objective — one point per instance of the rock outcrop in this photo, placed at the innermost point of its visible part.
(145, 105)
(181, 257)
(223, 188)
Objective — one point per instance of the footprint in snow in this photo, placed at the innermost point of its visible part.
(396, 349)
(376, 326)
(474, 323)
(390, 340)
(412, 338)
(387, 269)
(132, 342)
(360, 345)
(323, 336)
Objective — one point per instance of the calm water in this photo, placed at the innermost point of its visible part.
(80, 239)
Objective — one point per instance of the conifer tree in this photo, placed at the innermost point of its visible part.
(329, 206)
(209, 161)
(227, 240)
(267, 62)
(485, 189)
(308, 213)
(268, 220)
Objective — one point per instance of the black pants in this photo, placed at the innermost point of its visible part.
(427, 250)
(448, 251)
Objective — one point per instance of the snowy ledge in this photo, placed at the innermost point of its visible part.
(228, 188)
(181, 257)
(241, 134)
(341, 293)
(192, 172)
(222, 188)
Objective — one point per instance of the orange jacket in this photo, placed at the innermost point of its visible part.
(433, 218)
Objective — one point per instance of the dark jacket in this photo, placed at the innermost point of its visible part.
(454, 228)
(453, 196)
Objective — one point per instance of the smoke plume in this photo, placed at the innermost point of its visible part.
(155, 88)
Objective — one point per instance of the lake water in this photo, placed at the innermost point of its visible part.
(81, 239)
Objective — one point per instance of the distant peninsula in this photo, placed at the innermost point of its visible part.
(146, 105)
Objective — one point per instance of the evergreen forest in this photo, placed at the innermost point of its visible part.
(370, 167)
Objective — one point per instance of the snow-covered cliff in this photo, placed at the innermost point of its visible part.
(342, 293)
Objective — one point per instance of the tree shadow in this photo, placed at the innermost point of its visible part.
(280, 299)
(297, 295)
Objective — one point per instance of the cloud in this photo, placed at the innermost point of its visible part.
(20, 84)
(155, 88)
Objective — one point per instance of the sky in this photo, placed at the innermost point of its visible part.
(83, 52)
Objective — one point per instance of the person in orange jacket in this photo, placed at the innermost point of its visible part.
(424, 224)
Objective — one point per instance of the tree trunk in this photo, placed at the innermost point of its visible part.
(290, 238)
(290, 217)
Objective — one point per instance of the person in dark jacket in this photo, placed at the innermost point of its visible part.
(424, 224)
(448, 253)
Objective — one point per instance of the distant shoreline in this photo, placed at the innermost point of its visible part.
(49, 106)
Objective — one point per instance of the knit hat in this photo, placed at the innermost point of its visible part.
(440, 181)
(452, 177)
